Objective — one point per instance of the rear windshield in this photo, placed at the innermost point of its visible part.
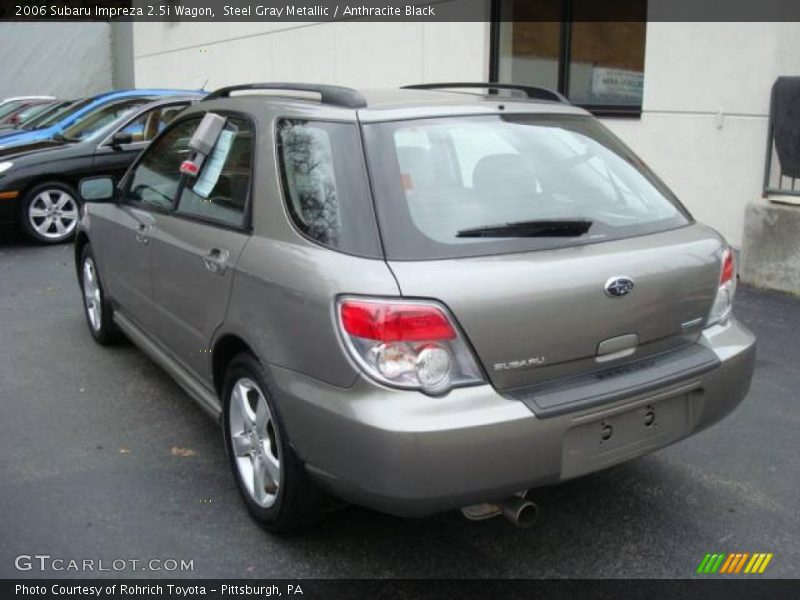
(10, 107)
(32, 111)
(472, 186)
(63, 111)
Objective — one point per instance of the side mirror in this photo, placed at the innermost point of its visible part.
(96, 189)
(121, 138)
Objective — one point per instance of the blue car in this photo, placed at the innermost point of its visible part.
(78, 111)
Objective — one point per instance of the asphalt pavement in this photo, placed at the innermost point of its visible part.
(102, 456)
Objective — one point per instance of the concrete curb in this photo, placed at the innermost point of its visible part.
(771, 246)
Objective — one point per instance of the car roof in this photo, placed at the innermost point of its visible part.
(413, 103)
(133, 93)
(18, 98)
(152, 102)
(394, 104)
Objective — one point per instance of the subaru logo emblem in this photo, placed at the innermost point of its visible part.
(616, 287)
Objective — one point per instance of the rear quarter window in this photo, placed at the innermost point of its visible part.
(324, 185)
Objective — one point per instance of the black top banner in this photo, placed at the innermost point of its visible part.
(226, 11)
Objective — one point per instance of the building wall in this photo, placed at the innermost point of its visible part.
(348, 53)
(122, 55)
(706, 85)
(67, 60)
(705, 110)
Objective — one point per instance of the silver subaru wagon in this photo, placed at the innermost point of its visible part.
(415, 300)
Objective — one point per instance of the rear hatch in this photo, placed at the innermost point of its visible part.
(523, 225)
(536, 316)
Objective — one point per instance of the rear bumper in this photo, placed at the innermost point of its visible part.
(409, 454)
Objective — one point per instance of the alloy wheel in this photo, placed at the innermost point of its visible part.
(91, 295)
(53, 214)
(254, 442)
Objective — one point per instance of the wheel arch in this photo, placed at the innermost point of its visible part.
(81, 241)
(39, 179)
(226, 347)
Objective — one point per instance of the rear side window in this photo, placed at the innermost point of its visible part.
(472, 186)
(148, 125)
(324, 185)
(220, 191)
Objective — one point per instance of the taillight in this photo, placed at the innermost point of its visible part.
(407, 344)
(727, 266)
(723, 301)
(395, 322)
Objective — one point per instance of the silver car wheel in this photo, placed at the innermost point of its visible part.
(254, 442)
(53, 214)
(91, 294)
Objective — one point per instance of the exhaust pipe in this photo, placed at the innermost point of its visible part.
(519, 511)
(522, 513)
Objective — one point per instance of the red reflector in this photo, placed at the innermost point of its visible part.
(727, 266)
(395, 322)
(189, 168)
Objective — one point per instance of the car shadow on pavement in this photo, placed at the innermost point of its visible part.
(11, 238)
(642, 506)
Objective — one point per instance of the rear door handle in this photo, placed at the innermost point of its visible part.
(216, 260)
(143, 234)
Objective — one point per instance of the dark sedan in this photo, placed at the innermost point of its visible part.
(38, 180)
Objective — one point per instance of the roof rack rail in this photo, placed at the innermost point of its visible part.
(335, 95)
(532, 92)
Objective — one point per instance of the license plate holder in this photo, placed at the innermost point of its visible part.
(609, 440)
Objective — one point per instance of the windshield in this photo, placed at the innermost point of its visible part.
(49, 116)
(64, 113)
(468, 186)
(31, 112)
(96, 120)
(10, 107)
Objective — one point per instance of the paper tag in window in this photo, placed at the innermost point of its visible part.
(214, 163)
(189, 168)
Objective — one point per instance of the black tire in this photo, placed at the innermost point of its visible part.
(297, 501)
(34, 200)
(103, 330)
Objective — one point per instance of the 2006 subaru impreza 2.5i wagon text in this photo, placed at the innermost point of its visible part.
(415, 300)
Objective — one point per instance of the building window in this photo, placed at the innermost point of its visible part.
(591, 52)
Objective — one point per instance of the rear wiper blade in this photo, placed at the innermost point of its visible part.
(543, 228)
